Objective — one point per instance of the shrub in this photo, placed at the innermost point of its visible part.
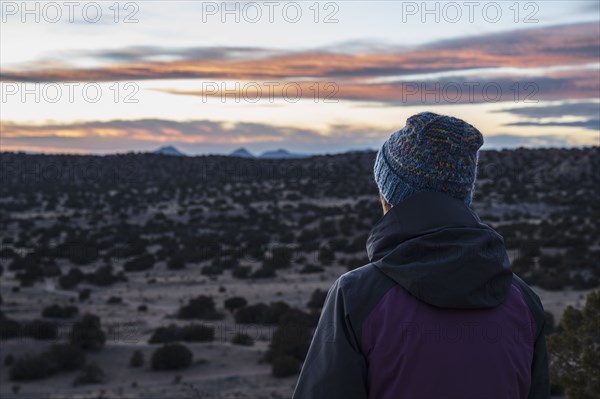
(60, 312)
(326, 255)
(241, 272)
(91, 374)
(66, 357)
(30, 276)
(339, 244)
(141, 263)
(242, 339)
(265, 271)
(49, 270)
(197, 333)
(41, 329)
(311, 319)
(201, 307)
(171, 357)
(176, 263)
(163, 335)
(281, 258)
(530, 248)
(84, 294)
(552, 280)
(356, 262)
(137, 359)
(274, 311)
(226, 262)
(574, 353)
(114, 300)
(37, 366)
(235, 303)
(81, 252)
(579, 282)
(8, 253)
(189, 333)
(317, 299)
(87, 333)
(293, 336)
(285, 366)
(293, 340)
(310, 268)
(71, 279)
(523, 265)
(252, 314)
(211, 270)
(9, 328)
(103, 276)
(549, 326)
(37, 329)
(9, 360)
(30, 367)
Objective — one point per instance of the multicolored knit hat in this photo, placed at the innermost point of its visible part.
(431, 153)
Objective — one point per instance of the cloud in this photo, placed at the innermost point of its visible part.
(592, 7)
(194, 136)
(579, 41)
(499, 141)
(205, 136)
(148, 53)
(576, 44)
(586, 109)
(468, 89)
(588, 113)
(591, 124)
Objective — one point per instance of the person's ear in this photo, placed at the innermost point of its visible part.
(384, 204)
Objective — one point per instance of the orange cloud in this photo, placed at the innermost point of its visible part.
(193, 135)
(459, 90)
(561, 45)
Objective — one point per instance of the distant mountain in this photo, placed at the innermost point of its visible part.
(170, 150)
(242, 153)
(281, 154)
(359, 151)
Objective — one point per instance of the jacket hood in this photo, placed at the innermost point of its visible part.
(436, 247)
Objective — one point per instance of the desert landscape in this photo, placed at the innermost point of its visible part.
(144, 275)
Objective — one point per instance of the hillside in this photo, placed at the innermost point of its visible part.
(134, 238)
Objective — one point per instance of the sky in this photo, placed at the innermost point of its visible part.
(311, 77)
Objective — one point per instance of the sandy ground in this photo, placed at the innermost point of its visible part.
(220, 370)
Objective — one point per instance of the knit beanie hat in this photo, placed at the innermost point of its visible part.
(431, 153)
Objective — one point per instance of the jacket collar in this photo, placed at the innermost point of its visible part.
(436, 247)
(419, 214)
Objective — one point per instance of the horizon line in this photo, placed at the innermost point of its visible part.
(299, 155)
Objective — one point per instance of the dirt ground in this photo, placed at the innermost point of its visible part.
(220, 369)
